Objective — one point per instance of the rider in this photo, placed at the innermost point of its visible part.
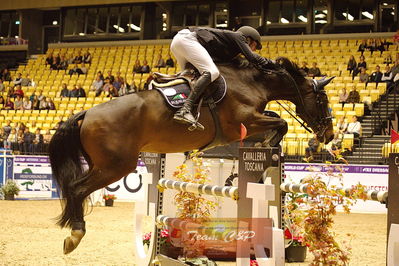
(201, 46)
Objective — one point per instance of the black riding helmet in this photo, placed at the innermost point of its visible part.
(252, 33)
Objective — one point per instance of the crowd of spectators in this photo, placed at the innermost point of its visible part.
(22, 139)
(57, 62)
(17, 100)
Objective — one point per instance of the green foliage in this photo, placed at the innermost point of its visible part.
(9, 188)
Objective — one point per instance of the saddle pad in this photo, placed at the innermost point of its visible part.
(176, 93)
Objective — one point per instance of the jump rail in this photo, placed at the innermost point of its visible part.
(381, 196)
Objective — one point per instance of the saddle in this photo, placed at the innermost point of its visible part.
(176, 88)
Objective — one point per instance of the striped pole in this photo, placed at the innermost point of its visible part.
(219, 191)
(381, 196)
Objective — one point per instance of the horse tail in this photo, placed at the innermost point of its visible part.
(65, 157)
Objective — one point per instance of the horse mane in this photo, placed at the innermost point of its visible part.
(291, 67)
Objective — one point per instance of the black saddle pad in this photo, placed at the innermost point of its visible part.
(176, 92)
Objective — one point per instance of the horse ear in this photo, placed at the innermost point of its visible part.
(323, 82)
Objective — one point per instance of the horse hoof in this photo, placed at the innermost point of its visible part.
(71, 242)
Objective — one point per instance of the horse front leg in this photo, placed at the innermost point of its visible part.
(273, 128)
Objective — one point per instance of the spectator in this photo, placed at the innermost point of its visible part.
(354, 96)
(18, 91)
(314, 71)
(395, 68)
(100, 75)
(7, 128)
(63, 65)
(237, 23)
(2, 102)
(64, 91)
(145, 68)
(335, 146)
(362, 64)
(5, 75)
(26, 81)
(11, 92)
(76, 70)
(125, 89)
(388, 59)
(341, 125)
(380, 46)
(74, 92)
(78, 59)
(32, 96)
(363, 77)
(83, 69)
(40, 96)
(160, 62)
(170, 62)
(18, 79)
(118, 82)
(376, 76)
(20, 140)
(35, 103)
(396, 38)
(97, 84)
(9, 104)
(387, 75)
(12, 140)
(49, 59)
(20, 126)
(362, 47)
(27, 104)
(313, 145)
(28, 138)
(6, 141)
(343, 96)
(372, 46)
(37, 142)
(46, 140)
(43, 104)
(354, 127)
(50, 104)
(3, 139)
(351, 64)
(305, 68)
(56, 61)
(137, 67)
(113, 92)
(87, 58)
(2, 87)
(105, 87)
(110, 77)
(18, 104)
(81, 92)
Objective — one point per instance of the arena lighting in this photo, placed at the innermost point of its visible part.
(321, 21)
(285, 21)
(321, 15)
(385, 4)
(16, 37)
(164, 15)
(393, 13)
(268, 22)
(367, 15)
(325, 11)
(120, 29)
(81, 34)
(302, 18)
(55, 22)
(349, 16)
(17, 22)
(134, 27)
(224, 10)
(222, 25)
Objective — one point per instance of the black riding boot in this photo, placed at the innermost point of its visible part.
(184, 115)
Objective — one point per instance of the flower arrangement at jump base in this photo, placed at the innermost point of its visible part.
(109, 199)
(164, 238)
(309, 217)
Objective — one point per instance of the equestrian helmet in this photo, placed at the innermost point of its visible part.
(252, 33)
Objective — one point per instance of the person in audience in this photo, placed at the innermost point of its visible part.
(7, 128)
(63, 65)
(362, 64)
(11, 92)
(20, 140)
(100, 75)
(335, 146)
(19, 91)
(5, 75)
(12, 140)
(387, 75)
(49, 59)
(9, 104)
(396, 38)
(87, 58)
(314, 71)
(388, 59)
(362, 47)
(46, 140)
(170, 62)
(2, 101)
(395, 68)
(20, 126)
(40, 95)
(83, 69)
(27, 104)
(341, 125)
(354, 127)
(28, 141)
(26, 81)
(118, 82)
(55, 62)
(81, 92)
(354, 96)
(64, 91)
(43, 104)
(3, 139)
(75, 70)
(305, 68)
(113, 92)
(104, 88)
(376, 76)
(50, 104)
(371, 46)
(35, 103)
(74, 92)
(351, 64)
(2, 87)
(110, 76)
(32, 95)
(343, 96)
(137, 67)
(97, 85)
(145, 68)
(37, 142)
(18, 104)
(6, 143)
(18, 79)
(160, 62)
(125, 89)
(363, 77)
(313, 145)
(78, 59)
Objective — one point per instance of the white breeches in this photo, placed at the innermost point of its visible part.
(186, 48)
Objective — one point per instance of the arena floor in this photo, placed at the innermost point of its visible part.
(30, 237)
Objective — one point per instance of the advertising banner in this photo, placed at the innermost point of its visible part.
(374, 177)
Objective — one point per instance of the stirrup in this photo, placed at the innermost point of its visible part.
(196, 125)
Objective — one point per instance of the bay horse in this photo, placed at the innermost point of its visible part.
(111, 135)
